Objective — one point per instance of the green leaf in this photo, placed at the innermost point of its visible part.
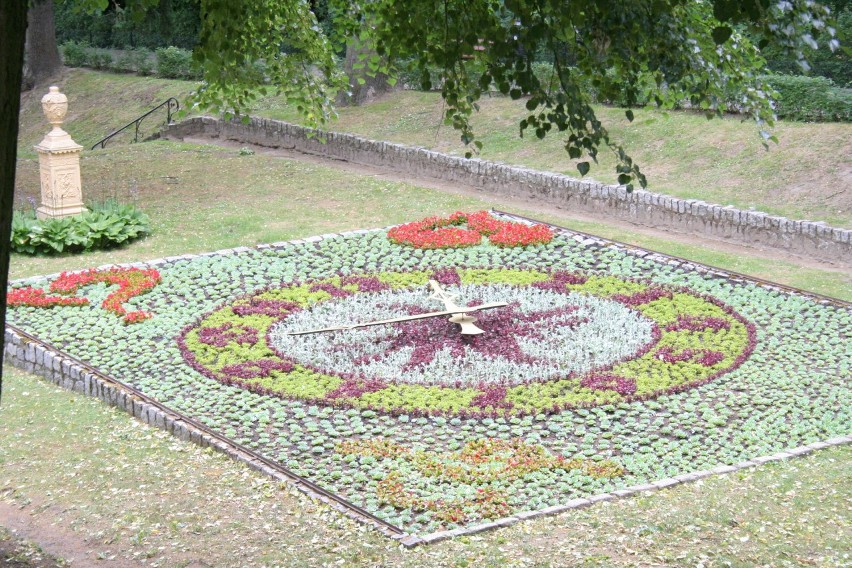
(583, 168)
(629, 114)
(721, 34)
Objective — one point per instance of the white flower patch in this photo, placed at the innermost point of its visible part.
(597, 333)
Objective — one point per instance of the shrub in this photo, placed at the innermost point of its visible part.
(543, 71)
(75, 54)
(175, 63)
(135, 61)
(100, 59)
(812, 99)
(105, 225)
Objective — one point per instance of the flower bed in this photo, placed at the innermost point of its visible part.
(606, 367)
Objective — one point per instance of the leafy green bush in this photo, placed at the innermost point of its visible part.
(175, 63)
(100, 59)
(544, 72)
(135, 61)
(104, 226)
(812, 99)
(76, 54)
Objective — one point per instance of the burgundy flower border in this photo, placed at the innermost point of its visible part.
(362, 385)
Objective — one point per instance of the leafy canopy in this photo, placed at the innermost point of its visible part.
(694, 50)
(685, 49)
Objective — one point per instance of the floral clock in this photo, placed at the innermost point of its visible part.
(563, 340)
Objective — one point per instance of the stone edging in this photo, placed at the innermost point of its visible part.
(70, 374)
(814, 239)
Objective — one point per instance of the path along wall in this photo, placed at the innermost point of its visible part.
(750, 228)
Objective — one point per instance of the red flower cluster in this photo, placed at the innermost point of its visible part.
(445, 232)
(130, 281)
(36, 297)
(604, 381)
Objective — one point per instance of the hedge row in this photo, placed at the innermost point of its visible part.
(165, 62)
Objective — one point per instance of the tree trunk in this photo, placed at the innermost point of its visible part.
(41, 56)
(13, 25)
(362, 87)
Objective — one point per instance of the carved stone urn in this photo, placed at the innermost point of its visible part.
(59, 162)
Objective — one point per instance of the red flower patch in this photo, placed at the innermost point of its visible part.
(36, 298)
(445, 232)
(131, 282)
(704, 357)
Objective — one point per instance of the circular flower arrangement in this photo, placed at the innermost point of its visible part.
(446, 232)
(563, 340)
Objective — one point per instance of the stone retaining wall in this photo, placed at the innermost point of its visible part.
(750, 228)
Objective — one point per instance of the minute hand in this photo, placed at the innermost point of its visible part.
(458, 310)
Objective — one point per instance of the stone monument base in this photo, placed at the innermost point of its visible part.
(47, 211)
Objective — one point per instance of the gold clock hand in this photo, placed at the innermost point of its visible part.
(464, 320)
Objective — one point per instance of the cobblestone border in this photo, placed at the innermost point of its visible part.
(813, 239)
(33, 356)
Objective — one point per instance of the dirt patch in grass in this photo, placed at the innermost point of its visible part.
(18, 552)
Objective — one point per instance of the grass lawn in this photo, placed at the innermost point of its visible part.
(129, 492)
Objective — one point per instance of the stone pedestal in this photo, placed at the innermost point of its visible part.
(59, 163)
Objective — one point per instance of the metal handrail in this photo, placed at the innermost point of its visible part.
(170, 103)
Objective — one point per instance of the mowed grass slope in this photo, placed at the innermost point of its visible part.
(132, 493)
(806, 176)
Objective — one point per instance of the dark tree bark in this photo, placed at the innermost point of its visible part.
(41, 56)
(13, 25)
(372, 87)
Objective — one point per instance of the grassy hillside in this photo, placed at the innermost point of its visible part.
(806, 176)
(98, 103)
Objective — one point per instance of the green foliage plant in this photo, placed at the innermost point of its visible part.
(100, 59)
(104, 225)
(175, 63)
(135, 61)
(811, 99)
(76, 54)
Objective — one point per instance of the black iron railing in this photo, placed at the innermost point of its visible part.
(171, 105)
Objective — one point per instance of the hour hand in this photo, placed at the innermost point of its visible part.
(464, 320)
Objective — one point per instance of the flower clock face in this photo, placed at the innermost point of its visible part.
(562, 340)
